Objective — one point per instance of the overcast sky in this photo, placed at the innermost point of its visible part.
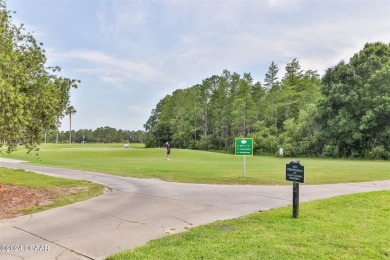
(130, 54)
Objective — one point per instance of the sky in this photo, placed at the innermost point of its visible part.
(130, 54)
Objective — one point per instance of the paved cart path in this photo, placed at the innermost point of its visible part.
(139, 210)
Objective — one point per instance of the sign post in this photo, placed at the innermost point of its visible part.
(295, 199)
(295, 172)
(244, 146)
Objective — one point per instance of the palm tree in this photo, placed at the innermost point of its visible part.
(70, 111)
(58, 124)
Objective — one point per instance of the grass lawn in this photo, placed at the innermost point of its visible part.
(346, 227)
(80, 190)
(199, 166)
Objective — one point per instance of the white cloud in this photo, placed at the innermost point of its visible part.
(285, 5)
(118, 17)
(108, 68)
(136, 108)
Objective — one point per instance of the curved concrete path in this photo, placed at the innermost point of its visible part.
(139, 210)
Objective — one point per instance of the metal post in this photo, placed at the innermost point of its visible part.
(295, 199)
(244, 167)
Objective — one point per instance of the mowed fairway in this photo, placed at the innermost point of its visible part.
(199, 166)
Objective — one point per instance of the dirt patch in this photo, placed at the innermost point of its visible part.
(15, 199)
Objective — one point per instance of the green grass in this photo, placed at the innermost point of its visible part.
(82, 190)
(199, 166)
(346, 227)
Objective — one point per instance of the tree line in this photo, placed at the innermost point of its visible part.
(100, 135)
(344, 113)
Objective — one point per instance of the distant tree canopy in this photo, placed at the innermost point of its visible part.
(346, 113)
(32, 97)
(100, 135)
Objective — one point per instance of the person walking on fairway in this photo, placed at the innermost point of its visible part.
(168, 151)
(281, 152)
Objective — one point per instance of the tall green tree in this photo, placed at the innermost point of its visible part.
(272, 101)
(355, 111)
(258, 96)
(159, 124)
(32, 96)
(221, 112)
(299, 135)
(265, 138)
(70, 111)
(184, 118)
(271, 77)
(291, 89)
(243, 106)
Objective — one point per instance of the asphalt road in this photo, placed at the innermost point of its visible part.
(136, 211)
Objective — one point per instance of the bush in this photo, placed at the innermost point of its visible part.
(379, 152)
(331, 151)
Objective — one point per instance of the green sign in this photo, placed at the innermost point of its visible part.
(244, 146)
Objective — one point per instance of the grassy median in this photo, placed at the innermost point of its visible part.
(20, 186)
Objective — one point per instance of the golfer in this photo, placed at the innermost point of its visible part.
(168, 151)
(281, 152)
